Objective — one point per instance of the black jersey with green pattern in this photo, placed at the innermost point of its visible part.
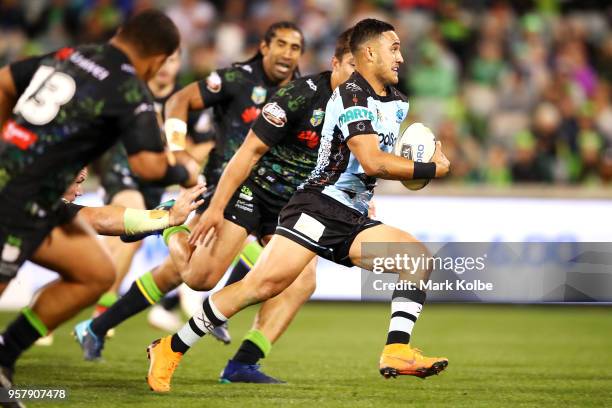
(291, 123)
(73, 105)
(236, 95)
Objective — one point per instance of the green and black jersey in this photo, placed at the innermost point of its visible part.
(74, 105)
(237, 95)
(291, 124)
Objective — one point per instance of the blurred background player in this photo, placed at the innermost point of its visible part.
(328, 215)
(236, 95)
(67, 109)
(113, 220)
(123, 188)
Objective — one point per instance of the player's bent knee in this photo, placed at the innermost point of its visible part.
(199, 282)
(101, 279)
(202, 276)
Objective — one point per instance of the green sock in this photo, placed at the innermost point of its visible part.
(260, 340)
(35, 321)
(108, 299)
(148, 288)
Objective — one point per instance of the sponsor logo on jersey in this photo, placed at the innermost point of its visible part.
(18, 135)
(128, 68)
(386, 139)
(87, 65)
(353, 87)
(64, 53)
(144, 107)
(399, 115)
(309, 137)
(317, 117)
(250, 114)
(11, 249)
(311, 84)
(258, 96)
(213, 82)
(246, 193)
(274, 114)
(355, 113)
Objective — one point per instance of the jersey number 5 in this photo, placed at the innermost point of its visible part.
(43, 98)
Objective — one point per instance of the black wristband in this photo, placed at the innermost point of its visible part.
(424, 170)
(174, 175)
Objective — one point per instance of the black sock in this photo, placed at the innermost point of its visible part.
(406, 307)
(133, 302)
(177, 345)
(169, 302)
(238, 272)
(17, 338)
(248, 353)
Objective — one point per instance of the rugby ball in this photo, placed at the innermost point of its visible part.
(417, 143)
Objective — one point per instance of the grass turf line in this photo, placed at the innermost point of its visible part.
(515, 356)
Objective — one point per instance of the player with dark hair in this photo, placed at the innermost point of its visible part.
(277, 155)
(237, 95)
(67, 109)
(125, 189)
(327, 216)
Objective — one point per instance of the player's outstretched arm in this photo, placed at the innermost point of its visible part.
(235, 173)
(377, 163)
(117, 220)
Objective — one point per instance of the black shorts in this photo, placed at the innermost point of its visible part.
(21, 235)
(18, 243)
(322, 224)
(116, 181)
(116, 176)
(254, 209)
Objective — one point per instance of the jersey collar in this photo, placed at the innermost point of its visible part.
(368, 88)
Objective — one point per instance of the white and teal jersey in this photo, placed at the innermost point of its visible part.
(355, 109)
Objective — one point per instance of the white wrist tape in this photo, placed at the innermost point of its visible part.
(176, 133)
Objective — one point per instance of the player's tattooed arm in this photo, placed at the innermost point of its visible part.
(382, 172)
(377, 163)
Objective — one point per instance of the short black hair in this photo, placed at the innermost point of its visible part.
(151, 33)
(279, 25)
(343, 45)
(366, 30)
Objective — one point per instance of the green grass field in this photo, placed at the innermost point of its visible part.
(499, 356)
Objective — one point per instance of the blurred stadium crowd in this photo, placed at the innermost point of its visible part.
(517, 91)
